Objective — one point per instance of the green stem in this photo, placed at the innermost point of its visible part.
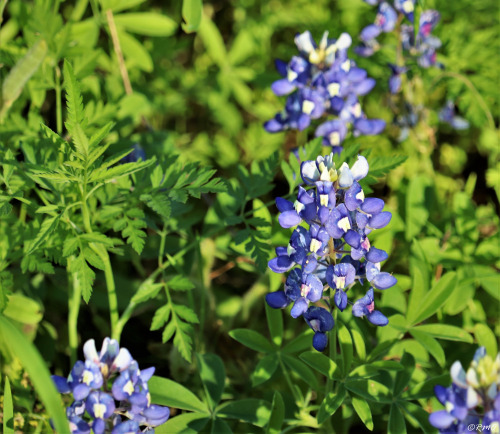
(127, 313)
(332, 350)
(74, 309)
(110, 285)
(58, 103)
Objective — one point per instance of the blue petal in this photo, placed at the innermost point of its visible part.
(352, 238)
(289, 219)
(320, 341)
(441, 419)
(376, 255)
(271, 126)
(364, 86)
(61, 384)
(283, 204)
(282, 87)
(369, 127)
(372, 205)
(281, 264)
(440, 393)
(370, 32)
(377, 318)
(156, 415)
(380, 220)
(340, 299)
(299, 307)
(277, 300)
(280, 67)
(384, 281)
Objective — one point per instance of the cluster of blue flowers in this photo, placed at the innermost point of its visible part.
(332, 249)
(448, 115)
(110, 393)
(473, 399)
(422, 45)
(323, 81)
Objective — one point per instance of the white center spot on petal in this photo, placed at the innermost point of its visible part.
(304, 290)
(323, 199)
(339, 281)
(325, 175)
(334, 138)
(87, 377)
(308, 106)
(344, 224)
(315, 245)
(361, 196)
(99, 411)
(356, 110)
(333, 89)
(290, 250)
(346, 66)
(449, 406)
(129, 387)
(299, 206)
(315, 324)
(291, 75)
(408, 6)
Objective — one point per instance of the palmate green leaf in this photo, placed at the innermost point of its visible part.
(322, 364)
(445, 331)
(186, 423)
(20, 74)
(436, 297)
(146, 23)
(18, 346)
(301, 369)
(265, 369)
(277, 415)
(220, 426)
(213, 377)
(254, 411)
(403, 377)
(374, 368)
(486, 338)
(8, 409)
(192, 13)
(426, 389)
(346, 347)
(136, 55)
(48, 226)
(418, 415)
(359, 344)
(168, 392)
(397, 423)
(363, 411)
(275, 324)
(416, 209)
(331, 403)
(252, 340)
(300, 343)
(431, 345)
(370, 389)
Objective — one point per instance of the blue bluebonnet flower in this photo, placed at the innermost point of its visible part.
(472, 398)
(330, 250)
(321, 82)
(108, 385)
(448, 114)
(137, 154)
(423, 46)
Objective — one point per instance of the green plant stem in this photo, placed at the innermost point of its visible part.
(58, 104)
(74, 310)
(110, 285)
(332, 350)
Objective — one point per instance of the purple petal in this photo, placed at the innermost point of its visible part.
(299, 307)
(352, 238)
(340, 299)
(289, 219)
(283, 204)
(376, 255)
(441, 419)
(277, 300)
(370, 32)
(281, 264)
(440, 393)
(369, 127)
(372, 205)
(281, 67)
(380, 220)
(377, 318)
(320, 341)
(384, 281)
(61, 384)
(282, 87)
(365, 86)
